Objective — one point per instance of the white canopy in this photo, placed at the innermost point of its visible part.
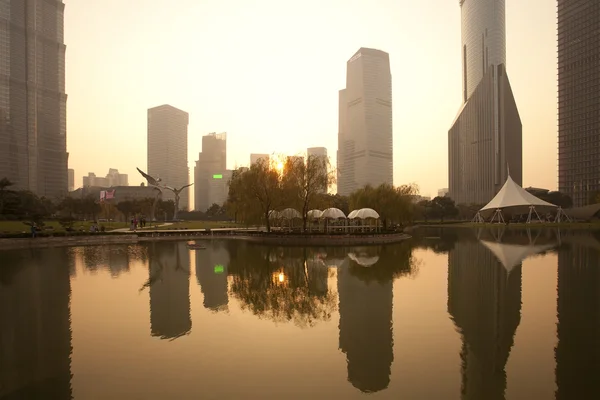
(511, 255)
(516, 198)
(363, 259)
(289, 213)
(333, 213)
(364, 213)
(314, 214)
(273, 214)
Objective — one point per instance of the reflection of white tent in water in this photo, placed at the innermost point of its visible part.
(363, 259)
(512, 255)
(512, 199)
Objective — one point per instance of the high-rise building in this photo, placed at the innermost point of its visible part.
(321, 154)
(210, 173)
(113, 178)
(365, 143)
(33, 140)
(168, 149)
(485, 140)
(71, 173)
(579, 99)
(255, 157)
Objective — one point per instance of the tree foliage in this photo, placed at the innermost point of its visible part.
(394, 204)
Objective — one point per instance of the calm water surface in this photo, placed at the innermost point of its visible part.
(449, 315)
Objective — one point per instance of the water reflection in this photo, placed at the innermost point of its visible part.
(212, 266)
(35, 325)
(578, 308)
(115, 259)
(169, 282)
(280, 284)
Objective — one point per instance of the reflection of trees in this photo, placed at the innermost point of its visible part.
(279, 284)
(394, 261)
(35, 325)
(116, 259)
(578, 349)
(169, 280)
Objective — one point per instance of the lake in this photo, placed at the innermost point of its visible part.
(450, 314)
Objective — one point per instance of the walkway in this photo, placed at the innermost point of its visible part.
(143, 229)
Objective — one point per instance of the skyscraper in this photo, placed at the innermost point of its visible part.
(321, 154)
(365, 143)
(168, 149)
(579, 99)
(210, 174)
(71, 185)
(485, 140)
(33, 142)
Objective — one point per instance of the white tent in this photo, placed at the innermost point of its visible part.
(511, 255)
(364, 213)
(515, 200)
(314, 214)
(333, 213)
(289, 213)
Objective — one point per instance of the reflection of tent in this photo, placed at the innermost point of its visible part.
(513, 199)
(511, 255)
(333, 213)
(363, 213)
(364, 260)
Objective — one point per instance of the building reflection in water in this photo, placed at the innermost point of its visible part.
(212, 266)
(169, 281)
(484, 300)
(35, 325)
(365, 288)
(578, 350)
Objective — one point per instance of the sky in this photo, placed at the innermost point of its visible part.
(268, 73)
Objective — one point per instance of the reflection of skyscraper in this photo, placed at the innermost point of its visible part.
(169, 290)
(484, 301)
(578, 348)
(35, 326)
(211, 272)
(366, 330)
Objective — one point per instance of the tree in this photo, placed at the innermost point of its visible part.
(4, 185)
(392, 203)
(254, 193)
(214, 210)
(442, 207)
(303, 183)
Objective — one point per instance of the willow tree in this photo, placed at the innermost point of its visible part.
(305, 183)
(392, 203)
(254, 192)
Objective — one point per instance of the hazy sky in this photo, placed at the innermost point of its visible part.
(268, 72)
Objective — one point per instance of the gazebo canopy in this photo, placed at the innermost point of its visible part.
(273, 214)
(314, 214)
(516, 200)
(289, 213)
(333, 213)
(364, 213)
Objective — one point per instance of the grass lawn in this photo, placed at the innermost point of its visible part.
(201, 225)
(19, 226)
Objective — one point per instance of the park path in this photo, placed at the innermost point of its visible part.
(153, 227)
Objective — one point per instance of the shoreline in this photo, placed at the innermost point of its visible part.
(141, 237)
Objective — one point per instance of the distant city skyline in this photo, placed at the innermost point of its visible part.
(231, 95)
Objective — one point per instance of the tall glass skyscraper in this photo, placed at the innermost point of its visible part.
(33, 103)
(365, 140)
(168, 149)
(485, 140)
(579, 99)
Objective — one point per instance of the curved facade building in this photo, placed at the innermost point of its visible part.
(485, 140)
(483, 40)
